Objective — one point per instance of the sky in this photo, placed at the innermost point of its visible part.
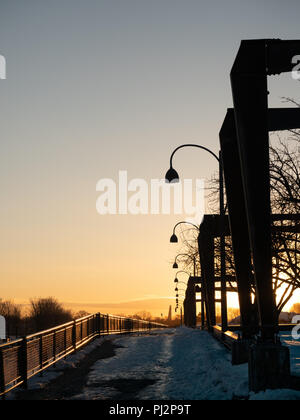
(94, 87)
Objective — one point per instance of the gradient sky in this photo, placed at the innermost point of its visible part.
(94, 87)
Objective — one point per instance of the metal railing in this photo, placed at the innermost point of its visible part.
(23, 358)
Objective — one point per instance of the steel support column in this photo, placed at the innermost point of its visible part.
(190, 304)
(206, 252)
(256, 60)
(238, 224)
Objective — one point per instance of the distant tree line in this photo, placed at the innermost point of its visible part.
(43, 313)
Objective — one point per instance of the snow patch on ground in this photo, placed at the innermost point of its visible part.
(276, 395)
(186, 364)
(201, 369)
(294, 346)
(140, 357)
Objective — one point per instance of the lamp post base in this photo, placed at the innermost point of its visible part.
(240, 352)
(269, 367)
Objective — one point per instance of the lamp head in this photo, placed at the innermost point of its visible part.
(175, 265)
(176, 290)
(173, 240)
(176, 280)
(171, 176)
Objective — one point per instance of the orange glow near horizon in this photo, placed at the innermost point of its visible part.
(94, 88)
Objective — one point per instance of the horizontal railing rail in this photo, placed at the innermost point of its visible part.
(228, 338)
(23, 358)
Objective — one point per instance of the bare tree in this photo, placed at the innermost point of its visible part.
(47, 313)
(12, 315)
(285, 201)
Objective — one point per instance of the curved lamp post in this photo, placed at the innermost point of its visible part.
(180, 282)
(172, 177)
(175, 265)
(176, 279)
(179, 290)
(174, 238)
(177, 307)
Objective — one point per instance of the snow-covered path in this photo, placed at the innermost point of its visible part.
(294, 346)
(181, 364)
(171, 364)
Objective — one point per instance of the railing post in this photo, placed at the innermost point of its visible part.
(74, 338)
(107, 323)
(23, 362)
(65, 340)
(41, 354)
(97, 329)
(2, 374)
(54, 346)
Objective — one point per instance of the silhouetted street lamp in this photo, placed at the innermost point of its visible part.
(197, 289)
(175, 265)
(174, 238)
(172, 177)
(177, 290)
(176, 279)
